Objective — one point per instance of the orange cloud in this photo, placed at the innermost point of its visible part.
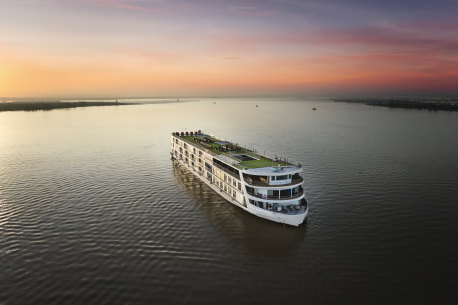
(299, 61)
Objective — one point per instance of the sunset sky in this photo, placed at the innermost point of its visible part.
(69, 48)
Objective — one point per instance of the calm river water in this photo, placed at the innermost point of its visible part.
(93, 211)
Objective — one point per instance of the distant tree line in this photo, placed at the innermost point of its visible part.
(36, 106)
(432, 105)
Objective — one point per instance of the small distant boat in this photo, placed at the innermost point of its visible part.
(314, 108)
(257, 106)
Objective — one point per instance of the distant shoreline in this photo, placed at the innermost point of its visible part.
(431, 105)
(44, 105)
(50, 105)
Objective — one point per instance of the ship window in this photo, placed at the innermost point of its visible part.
(240, 186)
(233, 194)
(289, 176)
(272, 193)
(283, 177)
(272, 178)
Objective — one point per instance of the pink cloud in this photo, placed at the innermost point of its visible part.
(439, 38)
(125, 4)
(394, 39)
(251, 11)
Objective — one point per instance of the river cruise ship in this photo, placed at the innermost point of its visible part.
(268, 187)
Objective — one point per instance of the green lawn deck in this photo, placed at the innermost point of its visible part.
(261, 162)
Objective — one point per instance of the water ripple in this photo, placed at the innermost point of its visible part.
(97, 213)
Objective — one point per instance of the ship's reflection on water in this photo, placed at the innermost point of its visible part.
(252, 236)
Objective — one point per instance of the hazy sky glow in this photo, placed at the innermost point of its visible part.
(229, 48)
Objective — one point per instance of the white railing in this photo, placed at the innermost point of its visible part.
(265, 154)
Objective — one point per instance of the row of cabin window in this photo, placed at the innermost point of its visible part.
(194, 152)
(221, 171)
(181, 143)
(227, 178)
(194, 157)
(223, 176)
(224, 186)
(186, 146)
(283, 177)
(220, 174)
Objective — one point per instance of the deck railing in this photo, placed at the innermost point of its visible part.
(288, 209)
(264, 184)
(252, 150)
(265, 154)
(271, 197)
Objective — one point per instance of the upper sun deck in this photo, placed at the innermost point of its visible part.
(275, 170)
(238, 156)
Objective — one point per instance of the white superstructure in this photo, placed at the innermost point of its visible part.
(268, 188)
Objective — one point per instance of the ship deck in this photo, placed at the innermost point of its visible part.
(241, 156)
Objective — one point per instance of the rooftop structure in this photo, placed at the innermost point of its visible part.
(238, 156)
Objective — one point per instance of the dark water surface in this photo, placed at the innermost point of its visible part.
(93, 211)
